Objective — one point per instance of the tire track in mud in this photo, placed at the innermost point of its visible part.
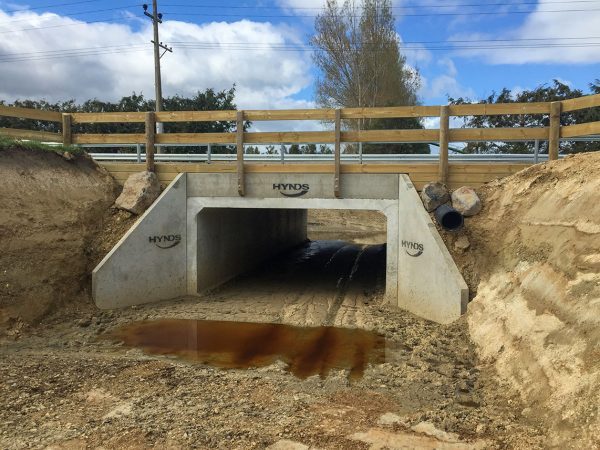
(343, 287)
(322, 283)
(334, 282)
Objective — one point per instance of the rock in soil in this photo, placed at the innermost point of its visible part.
(139, 192)
(434, 195)
(466, 201)
(462, 243)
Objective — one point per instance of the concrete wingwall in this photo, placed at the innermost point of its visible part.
(429, 283)
(149, 262)
(232, 241)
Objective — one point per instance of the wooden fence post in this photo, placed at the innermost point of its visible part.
(337, 150)
(67, 131)
(444, 137)
(240, 153)
(554, 138)
(150, 140)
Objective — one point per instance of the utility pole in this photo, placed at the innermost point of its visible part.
(156, 18)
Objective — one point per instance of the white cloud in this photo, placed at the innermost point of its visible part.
(264, 77)
(445, 84)
(570, 23)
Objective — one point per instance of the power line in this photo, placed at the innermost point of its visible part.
(463, 47)
(445, 5)
(279, 45)
(77, 13)
(51, 6)
(174, 13)
(17, 58)
(94, 51)
(78, 24)
(406, 42)
(69, 50)
(474, 13)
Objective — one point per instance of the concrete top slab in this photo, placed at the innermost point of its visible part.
(294, 186)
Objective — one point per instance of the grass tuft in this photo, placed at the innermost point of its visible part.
(7, 143)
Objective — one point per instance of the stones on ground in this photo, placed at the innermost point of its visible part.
(121, 410)
(434, 195)
(462, 243)
(466, 201)
(383, 439)
(430, 430)
(139, 192)
(68, 156)
(389, 419)
(285, 444)
(85, 322)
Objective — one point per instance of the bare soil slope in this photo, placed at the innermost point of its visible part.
(534, 266)
(52, 208)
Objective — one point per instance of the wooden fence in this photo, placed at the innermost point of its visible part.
(450, 173)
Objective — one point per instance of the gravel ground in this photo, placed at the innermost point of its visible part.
(64, 385)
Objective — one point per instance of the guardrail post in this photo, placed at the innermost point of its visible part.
(150, 140)
(536, 151)
(444, 138)
(208, 154)
(337, 152)
(67, 131)
(240, 153)
(554, 139)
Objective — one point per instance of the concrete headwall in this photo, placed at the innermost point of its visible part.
(149, 262)
(200, 233)
(233, 241)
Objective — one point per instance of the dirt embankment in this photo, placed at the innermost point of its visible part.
(52, 211)
(534, 267)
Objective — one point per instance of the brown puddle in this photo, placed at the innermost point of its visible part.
(239, 345)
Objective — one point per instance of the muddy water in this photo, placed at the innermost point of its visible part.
(238, 345)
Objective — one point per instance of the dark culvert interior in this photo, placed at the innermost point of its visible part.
(342, 260)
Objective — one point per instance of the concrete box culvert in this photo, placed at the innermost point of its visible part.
(196, 236)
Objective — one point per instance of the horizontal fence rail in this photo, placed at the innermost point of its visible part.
(553, 133)
(460, 173)
(345, 157)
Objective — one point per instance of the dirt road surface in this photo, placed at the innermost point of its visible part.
(62, 385)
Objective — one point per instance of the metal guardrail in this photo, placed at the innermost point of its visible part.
(359, 157)
(348, 158)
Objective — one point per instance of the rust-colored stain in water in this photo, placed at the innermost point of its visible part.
(238, 345)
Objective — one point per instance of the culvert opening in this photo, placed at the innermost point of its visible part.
(296, 253)
(449, 218)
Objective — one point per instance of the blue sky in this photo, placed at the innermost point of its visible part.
(258, 46)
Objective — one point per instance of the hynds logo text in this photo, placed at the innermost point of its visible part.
(165, 241)
(413, 249)
(291, 190)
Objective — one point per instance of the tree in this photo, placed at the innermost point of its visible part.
(555, 92)
(308, 149)
(325, 149)
(360, 64)
(209, 100)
